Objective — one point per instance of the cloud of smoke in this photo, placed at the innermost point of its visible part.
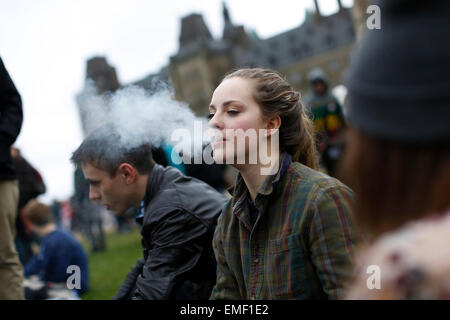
(138, 116)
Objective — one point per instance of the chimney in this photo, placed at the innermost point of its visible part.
(229, 32)
(193, 29)
(103, 74)
(316, 5)
(226, 14)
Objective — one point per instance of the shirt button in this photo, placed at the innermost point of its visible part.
(256, 260)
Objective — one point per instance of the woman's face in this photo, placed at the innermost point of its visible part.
(233, 107)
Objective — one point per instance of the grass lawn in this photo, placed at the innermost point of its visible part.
(108, 269)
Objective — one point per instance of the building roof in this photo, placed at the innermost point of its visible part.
(314, 36)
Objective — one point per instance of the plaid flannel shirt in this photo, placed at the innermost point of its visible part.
(301, 246)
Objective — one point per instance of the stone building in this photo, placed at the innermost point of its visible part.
(202, 61)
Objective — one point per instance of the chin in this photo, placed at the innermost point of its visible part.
(127, 213)
(221, 157)
(225, 154)
(116, 211)
(218, 157)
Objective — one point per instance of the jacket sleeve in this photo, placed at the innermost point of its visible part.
(127, 287)
(33, 266)
(10, 109)
(332, 239)
(177, 244)
(226, 285)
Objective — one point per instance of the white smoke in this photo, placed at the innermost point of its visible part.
(139, 116)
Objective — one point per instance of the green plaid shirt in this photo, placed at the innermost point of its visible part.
(301, 245)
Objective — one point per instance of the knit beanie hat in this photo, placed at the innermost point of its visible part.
(399, 76)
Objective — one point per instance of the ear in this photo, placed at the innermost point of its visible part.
(128, 172)
(273, 124)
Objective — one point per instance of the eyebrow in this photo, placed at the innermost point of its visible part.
(225, 104)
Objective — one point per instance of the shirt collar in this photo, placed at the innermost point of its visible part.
(140, 213)
(271, 181)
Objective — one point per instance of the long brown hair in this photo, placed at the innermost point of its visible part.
(393, 182)
(276, 96)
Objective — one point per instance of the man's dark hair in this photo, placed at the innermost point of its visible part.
(104, 148)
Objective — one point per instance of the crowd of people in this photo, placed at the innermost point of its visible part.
(345, 194)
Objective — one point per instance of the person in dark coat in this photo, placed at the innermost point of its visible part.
(178, 215)
(31, 185)
(11, 116)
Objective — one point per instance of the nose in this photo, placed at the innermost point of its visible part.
(216, 122)
(94, 195)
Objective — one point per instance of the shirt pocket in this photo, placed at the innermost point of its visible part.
(286, 268)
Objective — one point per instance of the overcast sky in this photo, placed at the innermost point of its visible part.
(44, 45)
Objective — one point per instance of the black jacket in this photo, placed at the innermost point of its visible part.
(10, 122)
(178, 226)
(31, 184)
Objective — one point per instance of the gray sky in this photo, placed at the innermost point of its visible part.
(45, 44)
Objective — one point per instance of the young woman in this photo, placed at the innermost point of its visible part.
(287, 234)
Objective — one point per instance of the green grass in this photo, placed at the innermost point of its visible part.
(108, 269)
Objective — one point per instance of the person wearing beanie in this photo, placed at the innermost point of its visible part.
(398, 154)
